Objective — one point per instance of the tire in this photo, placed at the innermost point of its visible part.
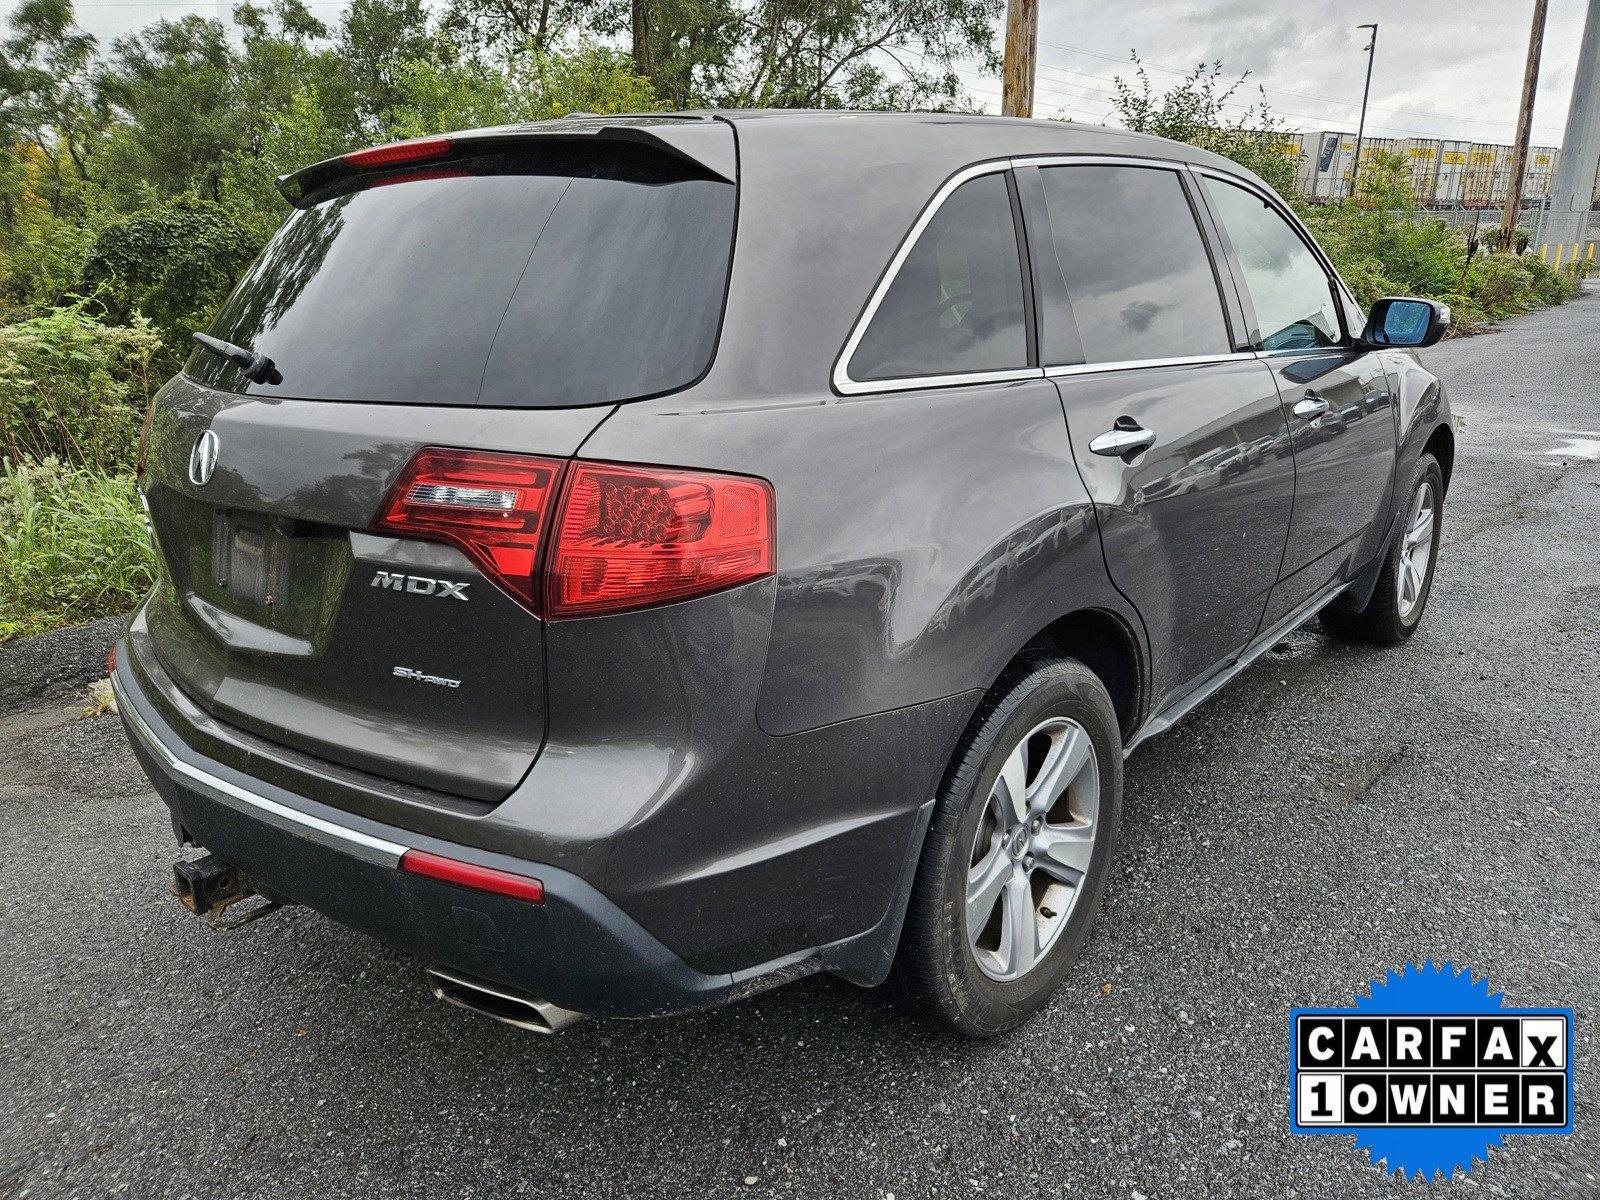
(1033, 721)
(1392, 615)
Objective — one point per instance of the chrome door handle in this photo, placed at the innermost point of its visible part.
(1115, 443)
(1312, 407)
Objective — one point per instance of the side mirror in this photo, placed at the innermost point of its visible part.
(1406, 321)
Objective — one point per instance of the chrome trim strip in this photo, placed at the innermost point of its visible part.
(380, 851)
(851, 387)
(1097, 160)
(1134, 364)
(845, 385)
(1186, 704)
(842, 382)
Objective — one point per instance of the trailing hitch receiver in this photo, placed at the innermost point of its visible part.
(208, 887)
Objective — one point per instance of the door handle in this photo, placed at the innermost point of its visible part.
(1312, 407)
(1115, 443)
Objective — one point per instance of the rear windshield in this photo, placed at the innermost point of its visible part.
(547, 277)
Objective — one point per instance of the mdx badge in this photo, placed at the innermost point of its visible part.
(419, 585)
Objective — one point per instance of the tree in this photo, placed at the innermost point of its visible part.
(45, 103)
(1194, 111)
(501, 29)
(190, 101)
(377, 42)
(817, 53)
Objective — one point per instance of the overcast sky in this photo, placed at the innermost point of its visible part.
(1445, 68)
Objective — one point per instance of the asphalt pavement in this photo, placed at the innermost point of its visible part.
(1333, 814)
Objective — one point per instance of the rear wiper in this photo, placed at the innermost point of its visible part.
(257, 368)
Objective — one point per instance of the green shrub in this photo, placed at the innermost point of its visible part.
(1553, 285)
(72, 546)
(75, 389)
(173, 263)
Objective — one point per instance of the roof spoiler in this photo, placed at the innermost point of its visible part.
(704, 142)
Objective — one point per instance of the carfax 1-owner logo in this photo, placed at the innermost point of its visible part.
(1430, 1070)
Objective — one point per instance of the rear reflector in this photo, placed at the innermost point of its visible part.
(470, 875)
(630, 537)
(398, 152)
(491, 506)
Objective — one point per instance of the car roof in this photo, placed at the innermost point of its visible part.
(937, 135)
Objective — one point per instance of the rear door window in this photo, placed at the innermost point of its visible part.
(955, 307)
(538, 277)
(1137, 278)
(1288, 286)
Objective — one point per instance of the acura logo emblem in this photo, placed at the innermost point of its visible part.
(203, 459)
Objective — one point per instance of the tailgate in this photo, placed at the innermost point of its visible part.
(279, 614)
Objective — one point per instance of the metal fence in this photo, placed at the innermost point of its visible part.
(1577, 234)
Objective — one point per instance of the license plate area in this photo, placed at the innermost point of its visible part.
(247, 559)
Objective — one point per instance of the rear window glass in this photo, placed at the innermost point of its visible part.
(542, 278)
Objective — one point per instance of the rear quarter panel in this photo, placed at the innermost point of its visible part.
(923, 537)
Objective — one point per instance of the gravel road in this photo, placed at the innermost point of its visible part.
(1334, 813)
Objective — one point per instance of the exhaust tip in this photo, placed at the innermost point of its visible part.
(501, 1004)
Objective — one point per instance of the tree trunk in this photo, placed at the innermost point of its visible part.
(641, 38)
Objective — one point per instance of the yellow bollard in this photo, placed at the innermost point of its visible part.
(1559, 249)
(1544, 252)
(1591, 252)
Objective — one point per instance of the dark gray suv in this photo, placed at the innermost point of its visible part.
(629, 563)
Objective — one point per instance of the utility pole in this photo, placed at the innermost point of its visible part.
(1361, 129)
(1573, 192)
(1519, 152)
(1022, 48)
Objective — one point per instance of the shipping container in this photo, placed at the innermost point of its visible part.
(1449, 186)
(1540, 173)
(1422, 166)
(1480, 177)
(1336, 152)
(1500, 176)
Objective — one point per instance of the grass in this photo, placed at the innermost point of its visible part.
(73, 546)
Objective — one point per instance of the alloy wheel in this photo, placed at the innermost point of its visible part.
(1416, 552)
(1032, 848)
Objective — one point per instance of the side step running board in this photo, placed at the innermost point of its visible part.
(1187, 703)
(501, 1004)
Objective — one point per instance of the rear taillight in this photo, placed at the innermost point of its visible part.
(398, 152)
(627, 537)
(492, 506)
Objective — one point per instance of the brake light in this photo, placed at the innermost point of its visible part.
(493, 507)
(398, 152)
(471, 875)
(627, 537)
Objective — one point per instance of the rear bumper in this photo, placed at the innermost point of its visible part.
(576, 949)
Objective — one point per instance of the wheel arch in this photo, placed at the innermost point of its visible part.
(1106, 643)
(1441, 444)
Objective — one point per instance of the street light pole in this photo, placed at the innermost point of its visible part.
(1361, 129)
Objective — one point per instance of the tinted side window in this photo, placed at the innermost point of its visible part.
(956, 304)
(1288, 286)
(1135, 268)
